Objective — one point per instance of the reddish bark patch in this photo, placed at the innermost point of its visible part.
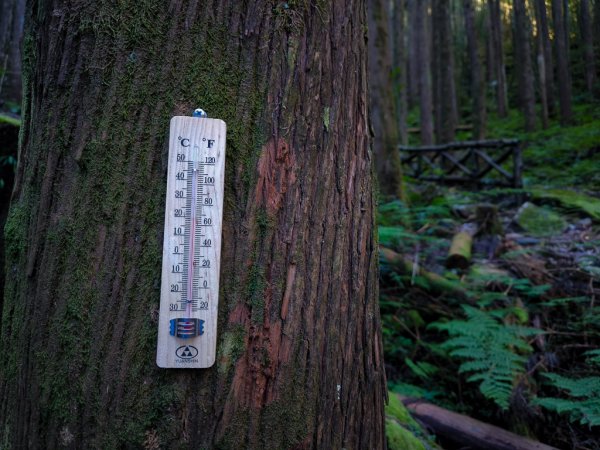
(291, 275)
(267, 349)
(275, 174)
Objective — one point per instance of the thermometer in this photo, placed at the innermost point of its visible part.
(189, 297)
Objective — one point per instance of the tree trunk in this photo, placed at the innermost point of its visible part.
(523, 63)
(413, 51)
(543, 88)
(436, 71)
(546, 51)
(424, 71)
(478, 111)
(381, 100)
(444, 98)
(587, 44)
(12, 13)
(299, 355)
(562, 62)
(596, 29)
(400, 69)
(496, 33)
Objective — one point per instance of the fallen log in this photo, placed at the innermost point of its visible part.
(459, 255)
(465, 430)
(437, 282)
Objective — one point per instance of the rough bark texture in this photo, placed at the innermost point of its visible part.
(443, 71)
(541, 15)
(11, 32)
(478, 111)
(596, 29)
(381, 100)
(422, 59)
(524, 64)
(587, 43)
(413, 70)
(562, 62)
(400, 69)
(498, 57)
(299, 361)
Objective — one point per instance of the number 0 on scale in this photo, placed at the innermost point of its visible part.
(189, 296)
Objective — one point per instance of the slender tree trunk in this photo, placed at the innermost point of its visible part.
(443, 72)
(299, 356)
(490, 54)
(562, 62)
(424, 71)
(400, 69)
(381, 100)
(596, 28)
(496, 32)
(478, 111)
(12, 13)
(436, 70)
(413, 51)
(587, 44)
(523, 63)
(543, 88)
(546, 51)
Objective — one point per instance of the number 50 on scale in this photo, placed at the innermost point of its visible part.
(189, 296)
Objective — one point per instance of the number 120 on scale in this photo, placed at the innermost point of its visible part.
(192, 243)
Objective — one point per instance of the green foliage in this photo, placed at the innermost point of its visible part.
(570, 199)
(490, 351)
(561, 156)
(10, 120)
(583, 404)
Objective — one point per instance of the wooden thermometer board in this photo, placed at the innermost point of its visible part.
(189, 296)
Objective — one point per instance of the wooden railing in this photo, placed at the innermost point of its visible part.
(495, 163)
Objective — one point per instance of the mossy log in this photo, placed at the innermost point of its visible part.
(437, 283)
(459, 255)
(467, 431)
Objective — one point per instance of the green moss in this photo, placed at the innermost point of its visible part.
(15, 231)
(256, 290)
(326, 112)
(284, 422)
(233, 345)
(400, 438)
(570, 199)
(234, 436)
(402, 431)
(539, 221)
(398, 411)
(263, 222)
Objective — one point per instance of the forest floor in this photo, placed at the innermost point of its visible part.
(510, 332)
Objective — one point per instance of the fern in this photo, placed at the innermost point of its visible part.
(492, 353)
(583, 406)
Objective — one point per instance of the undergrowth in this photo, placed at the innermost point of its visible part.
(497, 341)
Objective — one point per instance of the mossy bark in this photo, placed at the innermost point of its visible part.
(299, 361)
